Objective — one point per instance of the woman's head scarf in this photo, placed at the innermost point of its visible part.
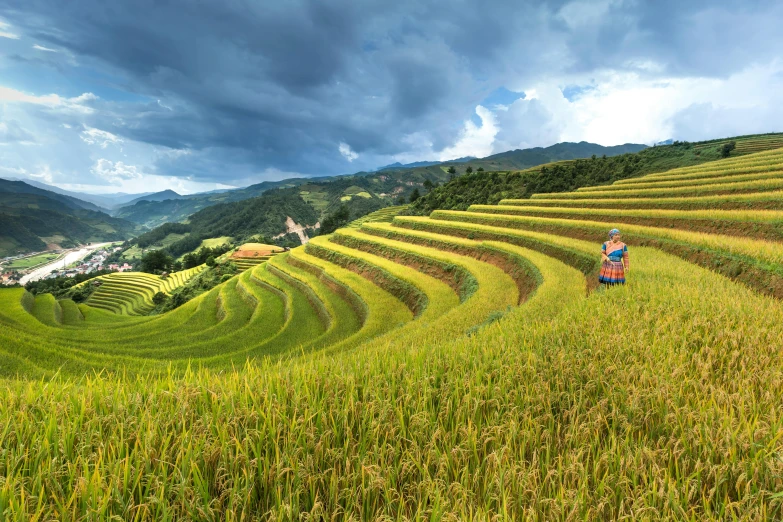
(613, 233)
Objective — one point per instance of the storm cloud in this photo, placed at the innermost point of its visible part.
(235, 91)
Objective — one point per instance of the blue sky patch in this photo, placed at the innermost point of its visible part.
(502, 96)
(572, 92)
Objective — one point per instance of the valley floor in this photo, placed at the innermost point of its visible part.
(69, 258)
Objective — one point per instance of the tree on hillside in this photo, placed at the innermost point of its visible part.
(480, 169)
(469, 170)
(336, 219)
(155, 261)
(725, 151)
(428, 185)
(159, 298)
(452, 170)
(415, 195)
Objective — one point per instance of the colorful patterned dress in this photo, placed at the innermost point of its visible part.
(613, 271)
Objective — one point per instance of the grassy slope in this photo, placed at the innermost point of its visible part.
(581, 409)
(29, 262)
(134, 252)
(657, 400)
(492, 187)
(32, 217)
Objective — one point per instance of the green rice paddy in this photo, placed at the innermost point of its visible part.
(461, 366)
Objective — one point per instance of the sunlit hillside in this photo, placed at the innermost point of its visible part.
(462, 365)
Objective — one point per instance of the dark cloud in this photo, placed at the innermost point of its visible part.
(711, 38)
(248, 86)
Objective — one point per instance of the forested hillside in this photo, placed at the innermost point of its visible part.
(154, 213)
(390, 183)
(491, 187)
(32, 219)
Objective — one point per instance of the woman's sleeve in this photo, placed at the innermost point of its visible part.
(603, 248)
(626, 259)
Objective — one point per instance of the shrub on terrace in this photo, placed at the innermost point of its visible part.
(725, 150)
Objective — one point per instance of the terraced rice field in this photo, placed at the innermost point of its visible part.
(461, 366)
(130, 293)
(379, 216)
(252, 254)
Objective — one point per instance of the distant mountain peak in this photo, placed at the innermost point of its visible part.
(163, 195)
(416, 164)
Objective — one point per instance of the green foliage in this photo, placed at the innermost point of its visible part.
(414, 195)
(28, 214)
(159, 298)
(490, 188)
(200, 257)
(31, 261)
(186, 244)
(81, 293)
(339, 218)
(155, 262)
(492, 380)
(290, 240)
(61, 287)
(154, 237)
(206, 280)
(265, 215)
(726, 148)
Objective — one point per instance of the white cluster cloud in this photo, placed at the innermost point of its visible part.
(474, 140)
(115, 172)
(75, 105)
(617, 108)
(346, 151)
(46, 49)
(44, 174)
(92, 136)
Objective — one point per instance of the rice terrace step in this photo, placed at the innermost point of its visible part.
(508, 277)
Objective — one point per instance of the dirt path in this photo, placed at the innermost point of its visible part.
(292, 227)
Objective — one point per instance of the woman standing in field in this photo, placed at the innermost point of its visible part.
(614, 254)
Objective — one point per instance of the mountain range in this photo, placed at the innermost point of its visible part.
(415, 164)
(33, 219)
(154, 213)
(105, 202)
(35, 216)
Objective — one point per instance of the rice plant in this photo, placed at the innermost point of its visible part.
(461, 366)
